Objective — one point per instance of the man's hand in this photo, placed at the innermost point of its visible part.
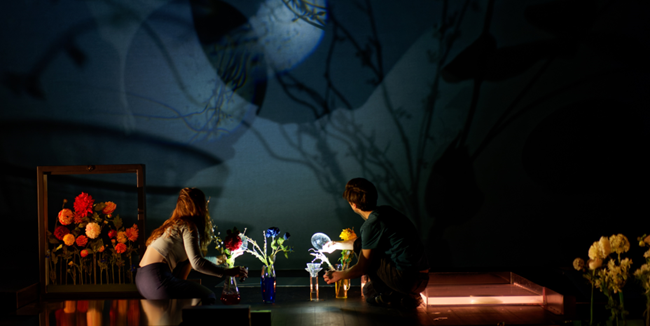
(338, 245)
(331, 276)
(329, 247)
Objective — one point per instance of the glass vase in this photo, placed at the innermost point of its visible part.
(342, 286)
(267, 283)
(313, 288)
(230, 293)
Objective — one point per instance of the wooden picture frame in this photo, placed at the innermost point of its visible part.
(54, 291)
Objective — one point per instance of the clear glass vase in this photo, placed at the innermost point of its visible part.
(267, 283)
(230, 293)
(342, 286)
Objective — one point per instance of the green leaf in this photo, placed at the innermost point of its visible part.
(117, 221)
(280, 241)
(99, 207)
(95, 245)
(51, 238)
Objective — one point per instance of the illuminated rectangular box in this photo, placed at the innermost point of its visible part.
(499, 288)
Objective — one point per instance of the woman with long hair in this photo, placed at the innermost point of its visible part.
(177, 246)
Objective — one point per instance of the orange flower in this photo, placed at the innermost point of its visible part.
(82, 241)
(68, 239)
(109, 208)
(101, 249)
(121, 237)
(120, 248)
(66, 216)
(84, 253)
(132, 233)
(83, 204)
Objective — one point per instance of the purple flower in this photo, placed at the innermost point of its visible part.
(272, 232)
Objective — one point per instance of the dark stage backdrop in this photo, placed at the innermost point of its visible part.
(512, 133)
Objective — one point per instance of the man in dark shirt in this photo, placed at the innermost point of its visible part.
(391, 252)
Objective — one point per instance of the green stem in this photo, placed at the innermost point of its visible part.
(591, 307)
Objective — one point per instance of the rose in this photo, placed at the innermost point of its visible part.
(120, 248)
(83, 204)
(272, 232)
(82, 241)
(595, 263)
(93, 230)
(578, 264)
(84, 253)
(109, 208)
(121, 237)
(68, 239)
(66, 216)
(348, 234)
(60, 232)
(132, 233)
(112, 234)
(232, 241)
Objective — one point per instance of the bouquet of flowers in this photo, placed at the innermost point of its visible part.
(609, 274)
(90, 231)
(643, 274)
(231, 247)
(346, 255)
(277, 244)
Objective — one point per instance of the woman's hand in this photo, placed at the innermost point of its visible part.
(237, 271)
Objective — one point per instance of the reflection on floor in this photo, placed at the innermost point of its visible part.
(292, 307)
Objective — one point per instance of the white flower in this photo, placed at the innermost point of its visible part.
(594, 251)
(93, 230)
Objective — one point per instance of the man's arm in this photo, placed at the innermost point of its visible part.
(359, 269)
(338, 245)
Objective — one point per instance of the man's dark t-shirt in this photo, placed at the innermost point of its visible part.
(391, 234)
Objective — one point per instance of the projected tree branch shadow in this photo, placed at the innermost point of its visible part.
(442, 188)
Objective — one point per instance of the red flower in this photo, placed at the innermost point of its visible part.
(83, 204)
(112, 234)
(77, 219)
(101, 249)
(120, 248)
(132, 233)
(82, 241)
(60, 232)
(84, 253)
(232, 242)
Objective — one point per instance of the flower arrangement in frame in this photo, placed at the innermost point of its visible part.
(90, 244)
(86, 249)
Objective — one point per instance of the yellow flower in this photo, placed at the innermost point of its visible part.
(604, 247)
(348, 234)
(595, 263)
(578, 264)
(121, 237)
(619, 243)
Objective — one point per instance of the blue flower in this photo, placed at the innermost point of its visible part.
(272, 232)
(286, 236)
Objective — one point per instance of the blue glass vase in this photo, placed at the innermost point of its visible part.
(267, 283)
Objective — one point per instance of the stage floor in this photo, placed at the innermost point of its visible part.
(292, 307)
